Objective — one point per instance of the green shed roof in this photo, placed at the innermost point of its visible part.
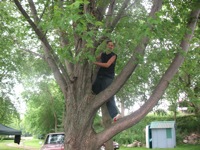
(162, 124)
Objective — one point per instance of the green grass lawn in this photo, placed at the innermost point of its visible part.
(35, 144)
(180, 147)
(3, 145)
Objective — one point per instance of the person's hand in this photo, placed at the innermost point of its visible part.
(95, 63)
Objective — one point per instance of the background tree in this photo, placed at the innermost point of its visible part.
(8, 112)
(9, 66)
(71, 32)
(45, 107)
(183, 92)
(189, 81)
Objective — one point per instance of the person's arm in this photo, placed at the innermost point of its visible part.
(107, 64)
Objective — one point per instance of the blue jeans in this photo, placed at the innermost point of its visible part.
(100, 84)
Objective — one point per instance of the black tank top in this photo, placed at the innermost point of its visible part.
(110, 71)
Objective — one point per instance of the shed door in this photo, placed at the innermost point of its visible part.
(159, 138)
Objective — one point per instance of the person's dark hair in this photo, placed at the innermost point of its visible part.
(109, 42)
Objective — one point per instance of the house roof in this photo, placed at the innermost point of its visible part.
(162, 124)
(4, 130)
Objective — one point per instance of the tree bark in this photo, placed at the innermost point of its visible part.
(82, 105)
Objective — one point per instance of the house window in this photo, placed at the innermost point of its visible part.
(169, 133)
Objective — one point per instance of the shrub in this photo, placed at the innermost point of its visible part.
(184, 126)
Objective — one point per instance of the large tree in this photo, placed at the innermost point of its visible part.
(8, 69)
(72, 31)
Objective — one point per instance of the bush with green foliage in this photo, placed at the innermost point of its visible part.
(184, 126)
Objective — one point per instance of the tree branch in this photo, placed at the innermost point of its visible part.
(135, 117)
(47, 3)
(130, 66)
(33, 11)
(101, 9)
(121, 79)
(119, 15)
(112, 24)
(34, 53)
(64, 42)
(36, 20)
(110, 12)
(47, 48)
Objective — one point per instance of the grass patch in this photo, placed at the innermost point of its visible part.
(32, 143)
(3, 145)
(180, 147)
(35, 144)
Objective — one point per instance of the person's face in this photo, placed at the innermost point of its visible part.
(110, 45)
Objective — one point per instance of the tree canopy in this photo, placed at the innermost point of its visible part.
(152, 41)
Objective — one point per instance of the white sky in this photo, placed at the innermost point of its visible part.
(17, 99)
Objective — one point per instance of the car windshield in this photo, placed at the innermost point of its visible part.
(55, 139)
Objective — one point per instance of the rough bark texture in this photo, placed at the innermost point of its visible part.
(75, 80)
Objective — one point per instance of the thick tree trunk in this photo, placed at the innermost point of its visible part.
(79, 133)
(79, 117)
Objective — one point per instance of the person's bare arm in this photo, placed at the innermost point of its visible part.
(108, 63)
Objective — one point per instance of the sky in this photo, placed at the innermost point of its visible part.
(17, 99)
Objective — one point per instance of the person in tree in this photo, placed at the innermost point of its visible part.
(106, 61)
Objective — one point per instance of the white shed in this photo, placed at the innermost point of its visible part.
(163, 134)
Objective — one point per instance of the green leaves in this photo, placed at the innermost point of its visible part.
(45, 108)
(8, 111)
(74, 30)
